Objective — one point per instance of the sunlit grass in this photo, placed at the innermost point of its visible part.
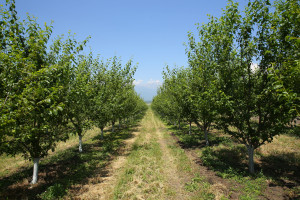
(276, 162)
(142, 176)
(10, 164)
(65, 168)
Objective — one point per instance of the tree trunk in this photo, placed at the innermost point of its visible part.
(35, 170)
(206, 137)
(113, 127)
(80, 143)
(179, 127)
(190, 130)
(250, 157)
(120, 122)
(102, 133)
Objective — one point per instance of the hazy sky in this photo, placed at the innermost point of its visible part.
(151, 32)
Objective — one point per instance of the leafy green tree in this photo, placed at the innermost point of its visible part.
(254, 109)
(165, 103)
(33, 88)
(78, 99)
(201, 57)
(112, 88)
(120, 80)
(99, 111)
(244, 73)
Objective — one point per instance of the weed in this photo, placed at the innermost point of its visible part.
(55, 191)
(194, 184)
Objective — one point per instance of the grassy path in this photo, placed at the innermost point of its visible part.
(150, 166)
(150, 171)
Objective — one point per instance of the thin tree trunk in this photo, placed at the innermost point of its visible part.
(190, 130)
(113, 127)
(80, 143)
(102, 133)
(125, 123)
(206, 137)
(250, 157)
(35, 170)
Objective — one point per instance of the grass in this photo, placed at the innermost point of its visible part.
(64, 168)
(9, 164)
(142, 175)
(228, 163)
(277, 163)
(197, 186)
(157, 168)
(182, 162)
(200, 187)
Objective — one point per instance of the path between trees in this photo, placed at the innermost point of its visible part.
(159, 180)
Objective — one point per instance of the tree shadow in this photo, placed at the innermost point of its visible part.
(284, 168)
(229, 161)
(67, 168)
(196, 139)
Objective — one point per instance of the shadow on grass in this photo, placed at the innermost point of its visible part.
(284, 168)
(227, 162)
(59, 172)
(229, 159)
(196, 138)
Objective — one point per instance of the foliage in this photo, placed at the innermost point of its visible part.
(112, 94)
(242, 75)
(45, 85)
(34, 87)
(78, 94)
(53, 192)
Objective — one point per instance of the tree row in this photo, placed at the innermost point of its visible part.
(49, 89)
(243, 74)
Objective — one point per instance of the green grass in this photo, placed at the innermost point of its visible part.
(57, 173)
(226, 158)
(228, 161)
(198, 186)
(141, 176)
(182, 161)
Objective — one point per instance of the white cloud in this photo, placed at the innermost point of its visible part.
(147, 89)
(149, 84)
(138, 82)
(154, 82)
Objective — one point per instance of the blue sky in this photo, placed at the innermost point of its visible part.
(152, 33)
